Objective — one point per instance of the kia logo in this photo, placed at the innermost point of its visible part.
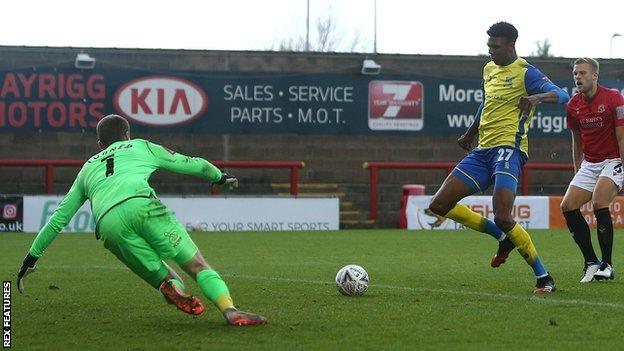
(160, 100)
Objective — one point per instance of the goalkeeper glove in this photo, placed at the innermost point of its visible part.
(29, 265)
(229, 181)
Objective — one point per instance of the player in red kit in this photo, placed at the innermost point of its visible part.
(596, 119)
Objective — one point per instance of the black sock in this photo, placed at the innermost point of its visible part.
(605, 232)
(580, 232)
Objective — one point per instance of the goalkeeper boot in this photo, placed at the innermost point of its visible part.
(504, 248)
(238, 318)
(605, 272)
(544, 285)
(184, 302)
(589, 271)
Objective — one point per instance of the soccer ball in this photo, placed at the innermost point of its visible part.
(352, 280)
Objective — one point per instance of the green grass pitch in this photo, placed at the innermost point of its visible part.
(430, 290)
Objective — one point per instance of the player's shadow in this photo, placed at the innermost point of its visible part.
(187, 325)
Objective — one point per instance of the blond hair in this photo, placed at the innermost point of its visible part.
(590, 61)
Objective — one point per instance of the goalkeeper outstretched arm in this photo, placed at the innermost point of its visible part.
(68, 207)
(195, 166)
(60, 218)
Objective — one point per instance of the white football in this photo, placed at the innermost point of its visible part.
(352, 280)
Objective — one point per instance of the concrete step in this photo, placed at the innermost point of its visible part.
(306, 186)
(350, 213)
(319, 194)
(346, 205)
(357, 224)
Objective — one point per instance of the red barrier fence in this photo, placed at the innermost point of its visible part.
(49, 165)
(374, 168)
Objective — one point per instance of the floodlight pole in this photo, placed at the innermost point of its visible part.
(615, 35)
(375, 26)
(307, 46)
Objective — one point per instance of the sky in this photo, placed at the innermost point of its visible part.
(445, 27)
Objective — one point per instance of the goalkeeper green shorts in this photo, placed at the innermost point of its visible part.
(142, 232)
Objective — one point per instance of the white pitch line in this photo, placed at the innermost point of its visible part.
(546, 299)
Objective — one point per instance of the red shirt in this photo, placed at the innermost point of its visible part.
(596, 120)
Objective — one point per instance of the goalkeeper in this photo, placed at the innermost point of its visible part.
(134, 225)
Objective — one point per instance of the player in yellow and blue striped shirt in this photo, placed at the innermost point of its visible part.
(512, 89)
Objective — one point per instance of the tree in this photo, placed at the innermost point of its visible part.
(543, 49)
(327, 38)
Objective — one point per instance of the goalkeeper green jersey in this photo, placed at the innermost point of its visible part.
(114, 175)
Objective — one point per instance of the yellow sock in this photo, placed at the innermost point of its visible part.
(521, 238)
(462, 214)
(224, 302)
(214, 288)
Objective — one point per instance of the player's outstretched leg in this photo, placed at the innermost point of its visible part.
(240, 318)
(438, 219)
(462, 214)
(172, 288)
(138, 255)
(173, 291)
(215, 289)
(444, 204)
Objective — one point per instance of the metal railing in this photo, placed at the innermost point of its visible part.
(374, 168)
(51, 164)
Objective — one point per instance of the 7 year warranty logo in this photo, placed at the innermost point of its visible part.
(395, 105)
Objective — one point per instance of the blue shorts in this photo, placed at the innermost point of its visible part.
(482, 166)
